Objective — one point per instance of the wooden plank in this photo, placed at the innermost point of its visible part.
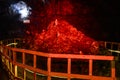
(32, 68)
(72, 56)
(78, 76)
(77, 56)
(59, 75)
(101, 78)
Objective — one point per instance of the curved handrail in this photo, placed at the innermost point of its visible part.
(8, 55)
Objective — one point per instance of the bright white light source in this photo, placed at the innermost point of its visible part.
(21, 9)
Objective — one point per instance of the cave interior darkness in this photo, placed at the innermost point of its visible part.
(98, 19)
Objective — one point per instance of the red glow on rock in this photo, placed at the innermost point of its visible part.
(61, 37)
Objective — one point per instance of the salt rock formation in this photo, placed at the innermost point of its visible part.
(61, 37)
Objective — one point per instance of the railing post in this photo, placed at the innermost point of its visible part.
(14, 60)
(105, 44)
(34, 75)
(111, 47)
(3, 59)
(34, 65)
(113, 69)
(14, 56)
(49, 68)
(24, 74)
(69, 68)
(4, 51)
(14, 41)
(8, 66)
(16, 71)
(1, 42)
(23, 58)
(90, 67)
(23, 61)
(11, 67)
(1, 47)
(34, 61)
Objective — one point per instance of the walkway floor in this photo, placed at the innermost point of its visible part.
(3, 73)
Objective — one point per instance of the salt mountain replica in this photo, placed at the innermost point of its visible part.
(61, 37)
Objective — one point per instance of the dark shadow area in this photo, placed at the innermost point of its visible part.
(3, 73)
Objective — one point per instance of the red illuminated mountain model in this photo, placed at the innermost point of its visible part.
(61, 37)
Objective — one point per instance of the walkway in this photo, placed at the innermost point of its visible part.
(3, 73)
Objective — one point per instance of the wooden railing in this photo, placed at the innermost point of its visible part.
(113, 47)
(16, 63)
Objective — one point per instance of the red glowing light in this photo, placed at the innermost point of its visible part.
(61, 37)
(60, 8)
